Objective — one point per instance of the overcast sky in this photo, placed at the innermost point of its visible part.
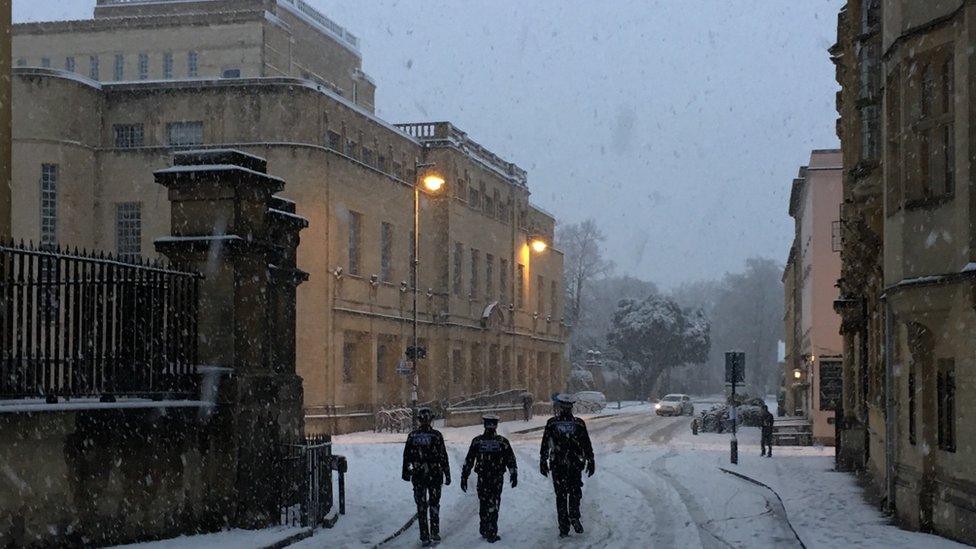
(677, 124)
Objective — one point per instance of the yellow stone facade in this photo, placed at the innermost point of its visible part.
(490, 309)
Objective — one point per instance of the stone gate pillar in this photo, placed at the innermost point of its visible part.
(227, 225)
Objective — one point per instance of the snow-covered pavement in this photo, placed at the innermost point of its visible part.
(656, 485)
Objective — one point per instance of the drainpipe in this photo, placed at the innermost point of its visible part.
(889, 409)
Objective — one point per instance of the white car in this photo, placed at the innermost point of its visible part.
(589, 402)
(675, 405)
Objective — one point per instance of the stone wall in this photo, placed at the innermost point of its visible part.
(97, 477)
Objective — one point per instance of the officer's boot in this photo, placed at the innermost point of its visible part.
(577, 526)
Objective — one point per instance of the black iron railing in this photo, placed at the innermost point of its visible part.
(85, 325)
(307, 496)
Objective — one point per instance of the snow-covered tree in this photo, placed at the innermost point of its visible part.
(655, 334)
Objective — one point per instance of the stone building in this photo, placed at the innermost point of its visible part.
(907, 293)
(814, 346)
(490, 306)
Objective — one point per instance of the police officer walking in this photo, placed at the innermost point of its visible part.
(566, 451)
(425, 464)
(489, 455)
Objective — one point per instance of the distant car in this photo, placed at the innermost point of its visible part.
(675, 405)
(588, 402)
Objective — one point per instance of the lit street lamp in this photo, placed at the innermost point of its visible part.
(433, 183)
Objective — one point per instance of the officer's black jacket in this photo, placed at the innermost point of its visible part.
(767, 422)
(566, 444)
(425, 457)
(489, 456)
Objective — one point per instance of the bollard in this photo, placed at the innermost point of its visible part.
(735, 450)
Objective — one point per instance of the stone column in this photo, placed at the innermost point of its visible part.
(227, 225)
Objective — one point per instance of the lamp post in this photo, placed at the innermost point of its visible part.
(433, 183)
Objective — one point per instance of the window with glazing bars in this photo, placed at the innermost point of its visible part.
(69, 64)
(489, 276)
(93, 67)
(355, 242)
(49, 205)
(520, 286)
(475, 267)
(143, 66)
(456, 273)
(129, 135)
(386, 252)
(192, 64)
(335, 141)
(182, 134)
(503, 280)
(119, 67)
(946, 394)
(168, 65)
(128, 231)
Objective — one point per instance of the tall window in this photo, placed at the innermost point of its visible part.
(553, 298)
(49, 205)
(489, 277)
(93, 67)
(870, 132)
(456, 281)
(46, 62)
(457, 365)
(128, 231)
(947, 404)
(183, 134)
(69, 64)
(933, 127)
(912, 430)
(129, 135)
(168, 65)
(475, 267)
(540, 293)
(355, 242)
(352, 148)
(382, 354)
(474, 197)
(348, 361)
(143, 66)
(192, 64)
(119, 67)
(520, 286)
(367, 156)
(386, 252)
(503, 280)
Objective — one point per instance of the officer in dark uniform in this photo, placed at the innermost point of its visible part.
(490, 454)
(425, 464)
(566, 451)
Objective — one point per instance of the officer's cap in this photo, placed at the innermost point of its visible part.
(490, 419)
(565, 399)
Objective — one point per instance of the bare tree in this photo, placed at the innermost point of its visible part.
(582, 244)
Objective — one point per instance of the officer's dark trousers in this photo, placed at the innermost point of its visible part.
(490, 498)
(569, 491)
(427, 494)
(766, 443)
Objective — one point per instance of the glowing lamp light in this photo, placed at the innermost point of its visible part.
(539, 245)
(433, 183)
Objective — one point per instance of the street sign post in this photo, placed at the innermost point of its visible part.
(735, 365)
(404, 368)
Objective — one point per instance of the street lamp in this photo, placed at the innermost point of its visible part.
(433, 183)
(538, 245)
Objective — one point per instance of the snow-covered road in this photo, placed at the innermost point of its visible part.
(656, 485)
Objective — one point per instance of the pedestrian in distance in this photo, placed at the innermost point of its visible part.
(489, 456)
(566, 451)
(766, 444)
(425, 465)
(527, 403)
